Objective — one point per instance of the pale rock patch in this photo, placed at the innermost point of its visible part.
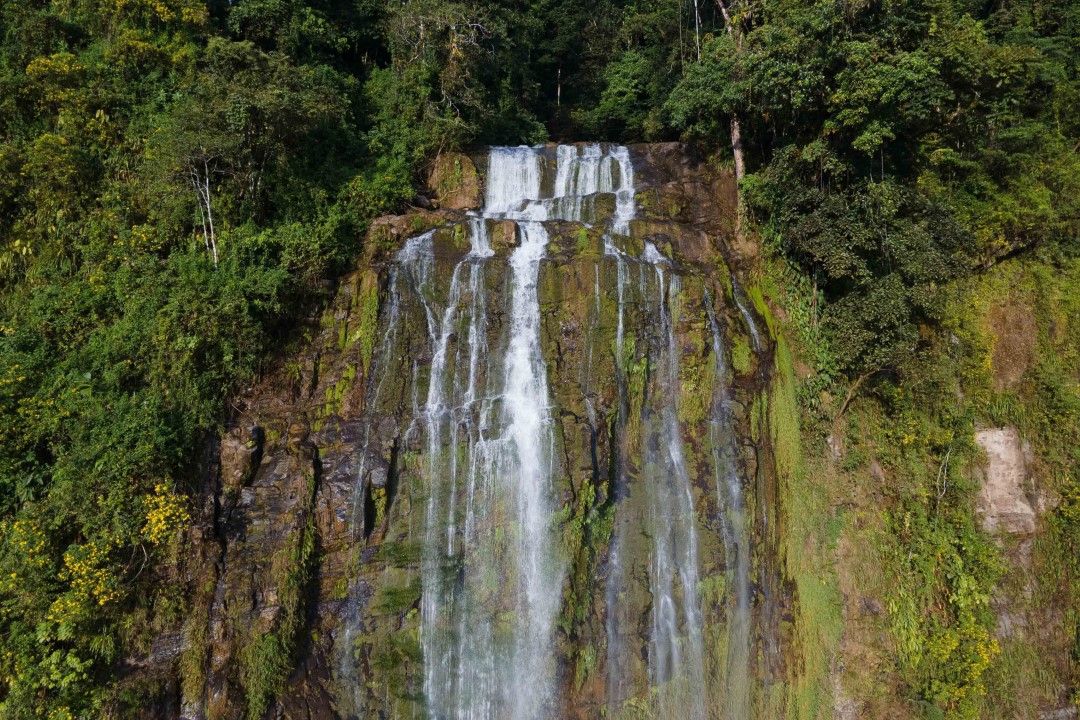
(1005, 497)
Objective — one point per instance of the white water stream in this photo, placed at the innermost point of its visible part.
(491, 568)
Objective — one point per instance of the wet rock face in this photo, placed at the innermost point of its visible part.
(313, 605)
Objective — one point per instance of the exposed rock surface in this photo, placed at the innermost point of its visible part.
(1011, 505)
(1005, 500)
(455, 182)
(1013, 328)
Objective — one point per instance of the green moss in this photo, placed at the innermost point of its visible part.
(400, 650)
(695, 396)
(396, 600)
(583, 241)
(629, 244)
(635, 391)
(400, 554)
(741, 355)
(378, 499)
(713, 589)
(757, 298)
(334, 396)
(586, 532)
(805, 538)
(460, 238)
(340, 590)
(368, 319)
(784, 417)
(646, 202)
(584, 666)
(380, 239)
(193, 660)
(452, 181)
(265, 662)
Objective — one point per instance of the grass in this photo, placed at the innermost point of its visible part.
(806, 546)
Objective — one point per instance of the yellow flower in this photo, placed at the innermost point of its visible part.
(166, 513)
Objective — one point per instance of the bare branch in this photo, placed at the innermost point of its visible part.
(852, 391)
(942, 481)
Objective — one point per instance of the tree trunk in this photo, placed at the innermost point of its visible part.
(737, 149)
(209, 213)
(697, 30)
(736, 128)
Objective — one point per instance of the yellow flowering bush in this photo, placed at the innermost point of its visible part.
(57, 75)
(26, 540)
(165, 514)
(88, 571)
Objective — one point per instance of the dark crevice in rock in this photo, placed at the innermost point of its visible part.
(370, 511)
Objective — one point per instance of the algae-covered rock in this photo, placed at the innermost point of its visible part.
(387, 234)
(502, 234)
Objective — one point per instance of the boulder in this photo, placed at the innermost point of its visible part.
(454, 182)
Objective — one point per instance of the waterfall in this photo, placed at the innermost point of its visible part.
(755, 334)
(491, 570)
(624, 192)
(676, 650)
(615, 630)
(489, 453)
(453, 649)
(416, 259)
(488, 548)
(529, 457)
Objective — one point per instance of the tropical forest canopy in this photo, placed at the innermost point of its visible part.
(181, 182)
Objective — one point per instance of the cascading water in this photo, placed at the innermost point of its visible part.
(491, 459)
(492, 564)
(676, 651)
(488, 558)
(733, 529)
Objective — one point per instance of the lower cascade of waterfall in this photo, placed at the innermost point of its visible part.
(504, 395)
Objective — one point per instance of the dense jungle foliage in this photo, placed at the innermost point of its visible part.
(181, 181)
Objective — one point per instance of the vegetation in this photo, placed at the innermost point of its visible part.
(180, 181)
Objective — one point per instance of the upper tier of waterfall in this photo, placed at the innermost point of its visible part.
(517, 188)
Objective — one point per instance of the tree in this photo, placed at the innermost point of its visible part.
(245, 118)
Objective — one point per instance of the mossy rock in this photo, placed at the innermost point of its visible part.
(455, 182)
(502, 234)
(387, 234)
